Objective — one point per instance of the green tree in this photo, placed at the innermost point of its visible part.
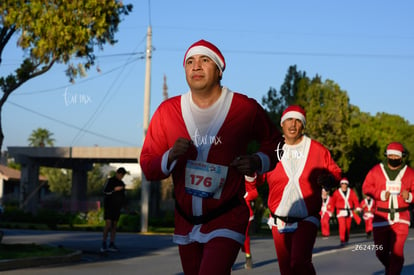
(59, 180)
(327, 109)
(275, 102)
(355, 139)
(328, 116)
(52, 32)
(96, 180)
(40, 138)
(369, 135)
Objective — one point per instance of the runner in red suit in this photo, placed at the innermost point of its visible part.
(346, 202)
(201, 138)
(391, 184)
(326, 213)
(367, 206)
(250, 196)
(295, 187)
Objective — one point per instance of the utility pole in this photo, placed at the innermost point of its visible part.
(165, 89)
(147, 96)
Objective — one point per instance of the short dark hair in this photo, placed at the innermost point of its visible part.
(121, 170)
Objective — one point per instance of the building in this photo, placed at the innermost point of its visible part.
(10, 185)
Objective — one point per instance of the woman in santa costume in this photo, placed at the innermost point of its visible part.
(346, 202)
(201, 138)
(326, 213)
(295, 187)
(367, 206)
(391, 184)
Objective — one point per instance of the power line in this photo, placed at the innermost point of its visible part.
(354, 55)
(69, 125)
(102, 104)
(81, 81)
(87, 125)
(314, 54)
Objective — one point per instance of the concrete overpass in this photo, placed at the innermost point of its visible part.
(79, 159)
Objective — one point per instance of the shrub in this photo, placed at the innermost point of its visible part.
(166, 221)
(129, 223)
(15, 214)
(95, 217)
(50, 217)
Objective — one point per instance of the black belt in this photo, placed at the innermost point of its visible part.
(227, 206)
(393, 210)
(287, 219)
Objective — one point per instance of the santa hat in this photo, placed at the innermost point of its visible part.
(395, 148)
(208, 49)
(344, 181)
(294, 111)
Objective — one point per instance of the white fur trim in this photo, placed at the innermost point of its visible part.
(207, 52)
(250, 179)
(197, 236)
(293, 114)
(394, 152)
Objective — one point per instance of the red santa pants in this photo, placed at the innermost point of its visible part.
(390, 242)
(368, 225)
(325, 230)
(294, 249)
(246, 246)
(344, 224)
(214, 257)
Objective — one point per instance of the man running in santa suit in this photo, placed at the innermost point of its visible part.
(201, 138)
(345, 201)
(391, 184)
(367, 206)
(326, 213)
(295, 187)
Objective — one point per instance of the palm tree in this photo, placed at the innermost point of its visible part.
(40, 138)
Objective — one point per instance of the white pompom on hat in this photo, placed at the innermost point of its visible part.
(395, 148)
(294, 111)
(206, 48)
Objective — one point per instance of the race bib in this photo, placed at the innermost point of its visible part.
(283, 227)
(205, 180)
(394, 187)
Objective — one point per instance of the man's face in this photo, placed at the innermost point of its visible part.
(201, 73)
(292, 130)
(120, 176)
(344, 186)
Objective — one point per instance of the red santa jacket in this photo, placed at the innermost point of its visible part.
(326, 208)
(367, 206)
(345, 204)
(314, 160)
(376, 184)
(239, 121)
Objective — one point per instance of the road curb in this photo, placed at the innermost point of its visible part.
(39, 261)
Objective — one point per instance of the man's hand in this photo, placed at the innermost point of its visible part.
(180, 148)
(247, 165)
(405, 194)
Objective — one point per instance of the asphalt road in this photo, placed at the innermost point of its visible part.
(156, 254)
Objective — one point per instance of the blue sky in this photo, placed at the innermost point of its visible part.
(366, 47)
